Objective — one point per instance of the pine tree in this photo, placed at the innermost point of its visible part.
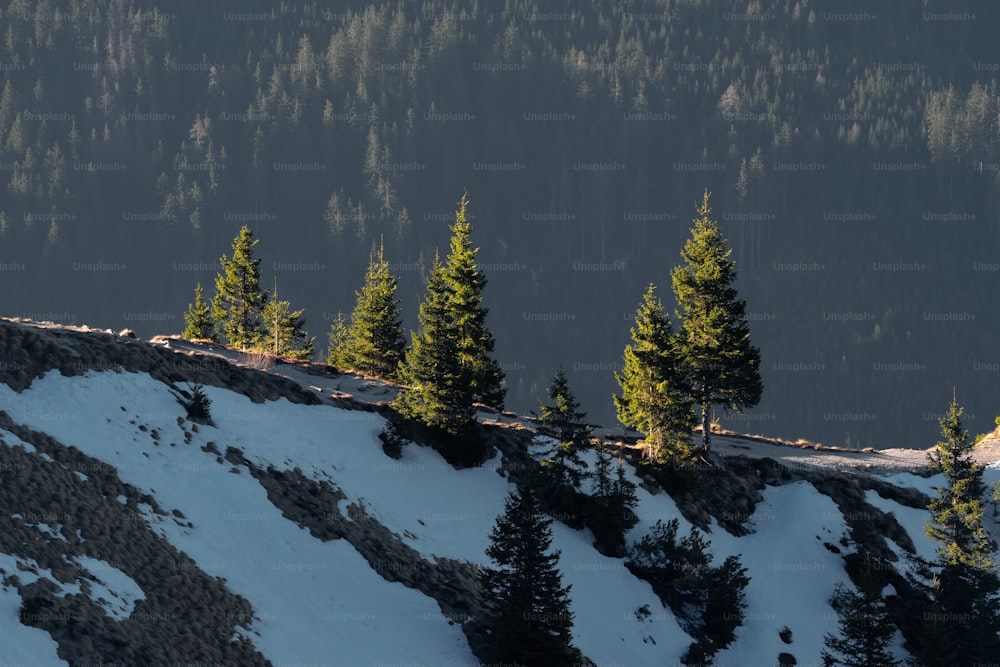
(337, 343)
(613, 501)
(709, 601)
(466, 283)
(239, 301)
(198, 319)
(654, 399)
(957, 513)
(440, 393)
(721, 365)
(865, 631)
(623, 495)
(373, 343)
(962, 623)
(527, 605)
(603, 484)
(284, 333)
(564, 423)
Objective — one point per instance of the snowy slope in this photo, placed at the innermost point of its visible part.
(322, 603)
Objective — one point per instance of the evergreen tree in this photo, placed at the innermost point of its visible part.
(603, 484)
(196, 403)
(373, 343)
(957, 513)
(865, 631)
(613, 502)
(709, 601)
(337, 343)
(284, 333)
(564, 423)
(239, 301)
(527, 605)
(962, 622)
(654, 398)
(721, 365)
(440, 392)
(466, 283)
(198, 319)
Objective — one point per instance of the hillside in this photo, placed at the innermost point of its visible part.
(284, 534)
(851, 152)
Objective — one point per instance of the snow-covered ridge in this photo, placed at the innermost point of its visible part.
(320, 602)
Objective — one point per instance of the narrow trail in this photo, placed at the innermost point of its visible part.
(338, 387)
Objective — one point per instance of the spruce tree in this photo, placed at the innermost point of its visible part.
(957, 513)
(373, 344)
(239, 301)
(284, 333)
(613, 501)
(654, 399)
(337, 346)
(198, 319)
(721, 365)
(440, 389)
(563, 422)
(526, 602)
(466, 283)
(866, 631)
(962, 623)
(708, 600)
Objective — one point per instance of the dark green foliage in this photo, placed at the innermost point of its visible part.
(957, 513)
(373, 342)
(785, 634)
(198, 321)
(468, 314)
(440, 390)
(865, 631)
(655, 399)
(238, 305)
(392, 441)
(468, 448)
(960, 622)
(284, 333)
(196, 404)
(708, 601)
(449, 366)
(611, 505)
(563, 422)
(337, 343)
(720, 364)
(528, 608)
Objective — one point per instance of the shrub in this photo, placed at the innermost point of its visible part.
(196, 403)
(392, 441)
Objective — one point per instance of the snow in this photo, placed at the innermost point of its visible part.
(318, 603)
(23, 644)
(793, 575)
(605, 600)
(912, 520)
(322, 603)
(114, 590)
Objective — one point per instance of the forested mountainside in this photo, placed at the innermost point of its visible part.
(852, 153)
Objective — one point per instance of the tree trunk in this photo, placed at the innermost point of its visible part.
(705, 427)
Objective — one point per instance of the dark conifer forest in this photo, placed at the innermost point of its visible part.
(852, 151)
